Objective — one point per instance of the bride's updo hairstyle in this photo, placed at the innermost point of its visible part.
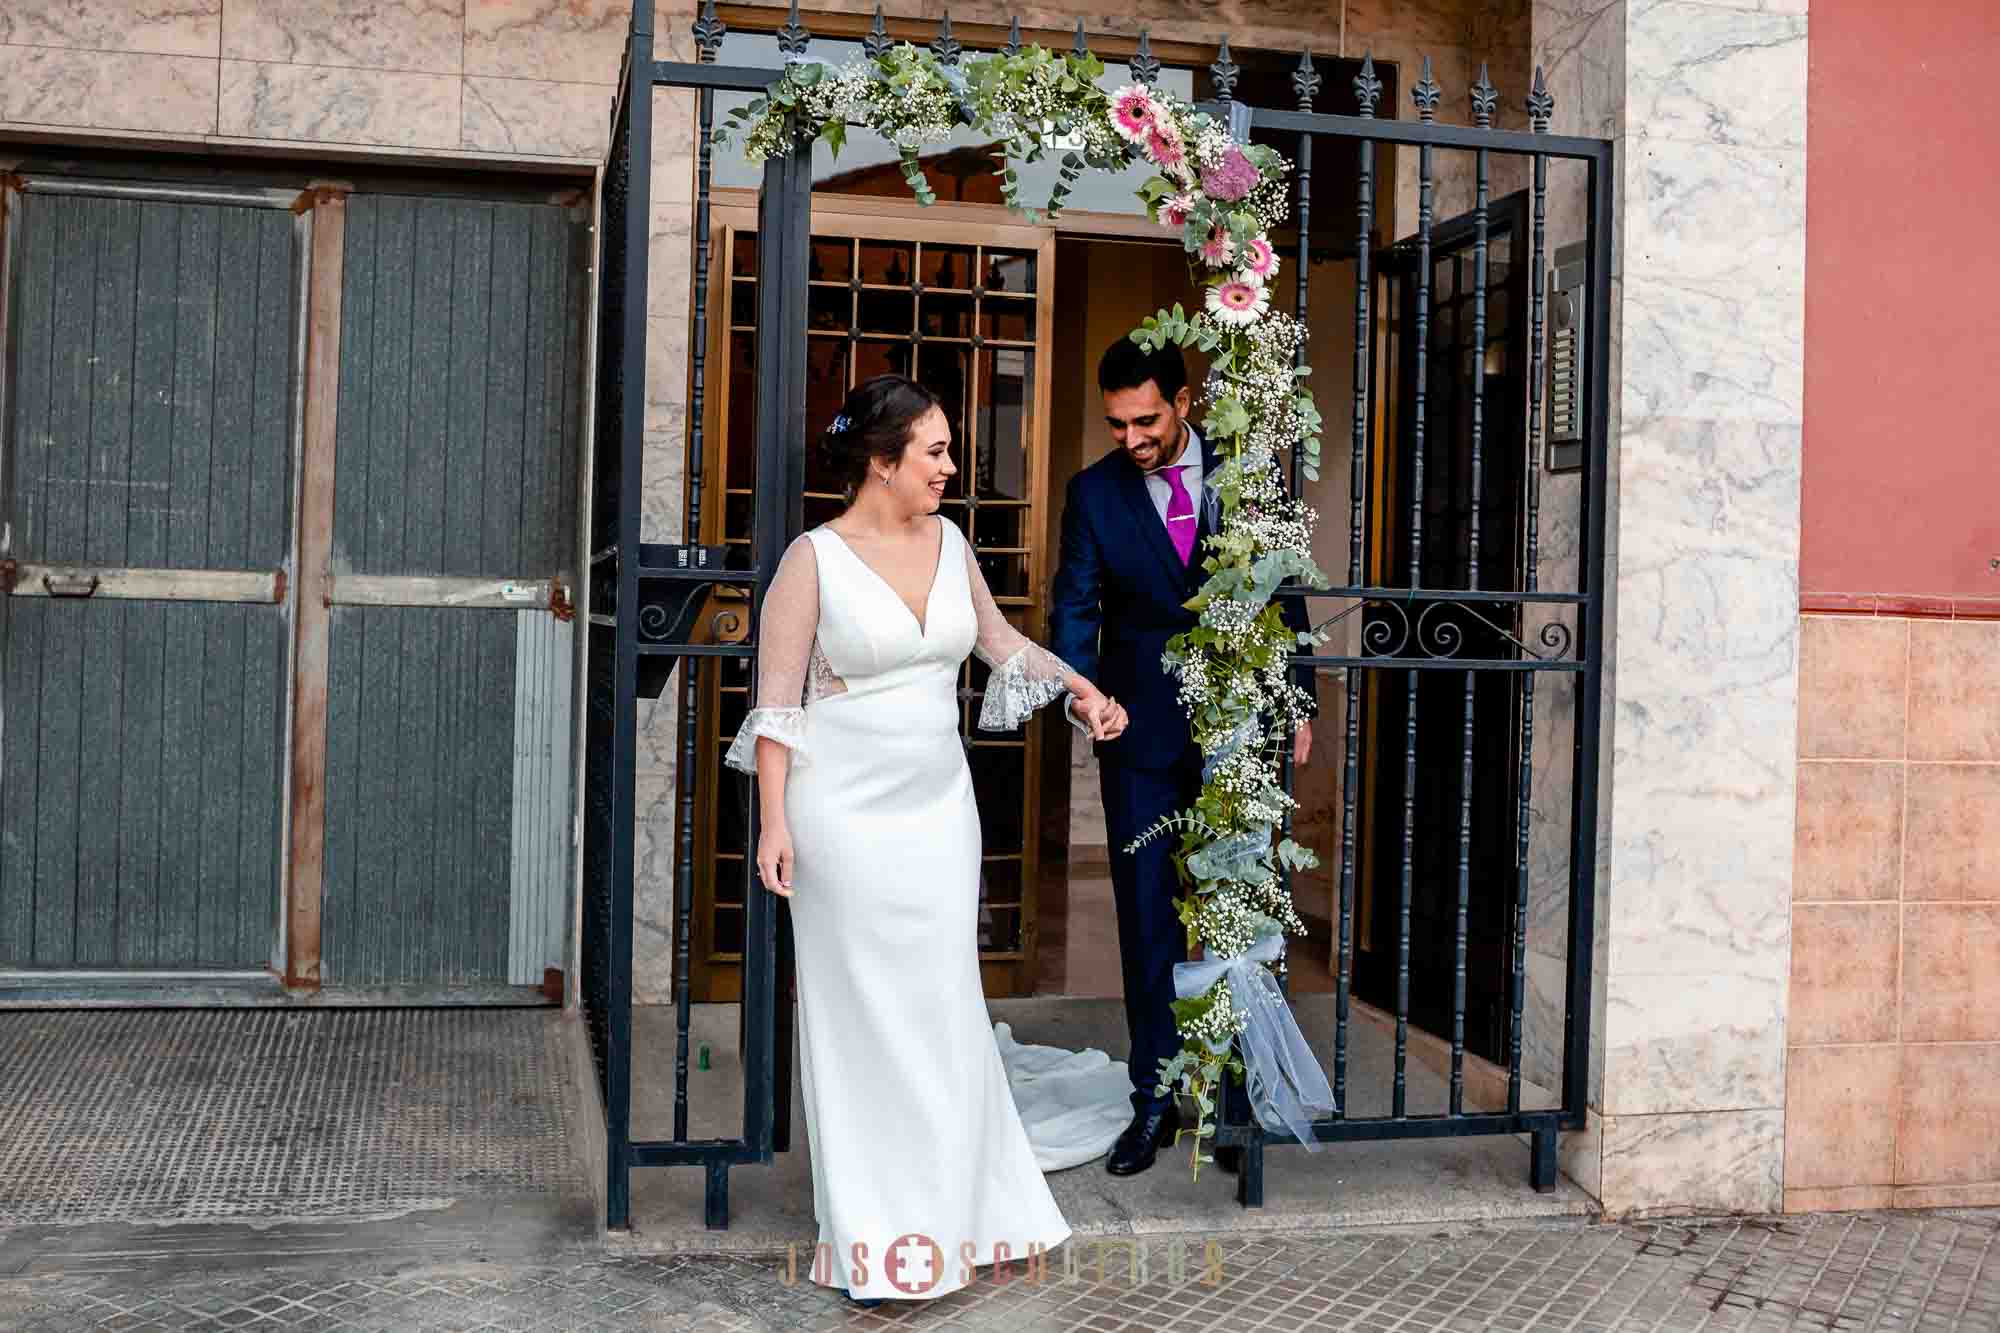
(873, 423)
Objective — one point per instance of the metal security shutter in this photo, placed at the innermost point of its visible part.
(149, 425)
(449, 703)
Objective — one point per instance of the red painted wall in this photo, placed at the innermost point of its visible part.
(1902, 356)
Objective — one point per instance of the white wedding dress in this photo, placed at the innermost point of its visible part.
(913, 1128)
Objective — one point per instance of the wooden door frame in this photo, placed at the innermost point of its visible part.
(718, 978)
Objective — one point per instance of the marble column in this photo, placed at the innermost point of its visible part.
(1707, 105)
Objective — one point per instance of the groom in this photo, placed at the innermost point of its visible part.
(1132, 529)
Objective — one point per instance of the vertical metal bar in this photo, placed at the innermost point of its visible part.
(705, 39)
(1588, 740)
(1538, 112)
(625, 677)
(1305, 82)
(1482, 103)
(1367, 87)
(313, 618)
(783, 242)
(1425, 95)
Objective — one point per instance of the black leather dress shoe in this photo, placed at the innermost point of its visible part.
(1140, 1143)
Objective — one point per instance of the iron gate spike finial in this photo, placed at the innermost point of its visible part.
(1541, 105)
(1484, 98)
(1144, 68)
(1367, 86)
(1224, 72)
(876, 44)
(945, 46)
(1305, 80)
(1080, 45)
(1426, 94)
(792, 38)
(1013, 46)
(708, 34)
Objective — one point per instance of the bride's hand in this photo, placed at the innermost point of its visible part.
(1104, 714)
(774, 859)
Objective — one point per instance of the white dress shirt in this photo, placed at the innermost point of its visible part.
(1189, 463)
(1162, 493)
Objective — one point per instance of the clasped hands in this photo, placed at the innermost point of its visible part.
(1103, 715)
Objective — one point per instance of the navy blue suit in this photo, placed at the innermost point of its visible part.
(1116, 601)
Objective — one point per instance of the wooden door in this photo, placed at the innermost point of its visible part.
(961, 297)
(149, 379)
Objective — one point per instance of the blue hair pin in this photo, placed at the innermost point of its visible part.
(840, 423)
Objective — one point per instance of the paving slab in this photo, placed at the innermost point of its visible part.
(1854, 1271)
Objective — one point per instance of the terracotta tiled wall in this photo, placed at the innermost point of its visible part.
(1893, 1074)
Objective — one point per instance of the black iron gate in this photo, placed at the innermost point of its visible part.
(646, 600)
(1421, 618)
(1411, 621)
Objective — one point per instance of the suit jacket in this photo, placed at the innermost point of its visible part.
(1117, 598)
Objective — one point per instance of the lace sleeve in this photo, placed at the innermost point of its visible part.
(787, 625)
(1025, 674)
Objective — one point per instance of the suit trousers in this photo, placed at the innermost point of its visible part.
(1151, 938)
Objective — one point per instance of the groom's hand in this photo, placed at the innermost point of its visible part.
(1104, 715)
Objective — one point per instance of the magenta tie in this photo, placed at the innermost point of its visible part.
(1180, 514)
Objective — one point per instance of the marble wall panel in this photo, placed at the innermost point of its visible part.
(1644, 9)
(1714, 311)
(536, 118)
(419, 35)
(1713, 1161)
(159, 27)
(1717, 78)
(571, 41)
(56, 88)
(653, 859)
(387, 75)
(320, 104)
(1698, 934)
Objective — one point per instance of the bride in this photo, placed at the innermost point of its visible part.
(922, 1170)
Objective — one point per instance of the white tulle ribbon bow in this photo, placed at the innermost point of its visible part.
(1287, 1088)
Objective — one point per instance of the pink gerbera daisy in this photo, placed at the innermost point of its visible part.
(1238, 302)
(1164, 146)
(1175, 211)
(1216, 250)
(1262, 260)
(1133, 114)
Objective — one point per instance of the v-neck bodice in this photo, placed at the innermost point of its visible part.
(867, 630)
(923, 621)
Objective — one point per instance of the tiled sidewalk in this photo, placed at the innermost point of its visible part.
(1859, 1271)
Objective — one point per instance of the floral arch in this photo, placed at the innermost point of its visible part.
(1224, 197)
